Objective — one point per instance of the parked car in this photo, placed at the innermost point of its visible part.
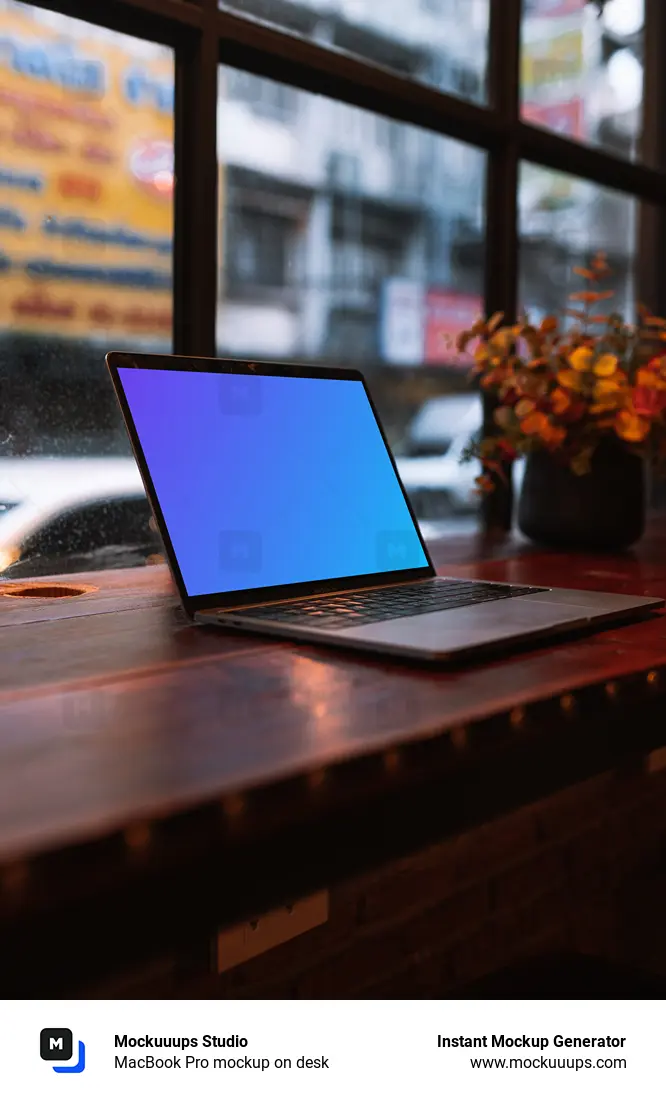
(429, 458)
(71, 515)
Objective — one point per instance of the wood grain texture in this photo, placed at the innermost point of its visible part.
(112, 710)
(160, 780)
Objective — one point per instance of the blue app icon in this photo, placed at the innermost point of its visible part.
(56, 1044)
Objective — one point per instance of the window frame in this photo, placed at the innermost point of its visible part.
(203, 37)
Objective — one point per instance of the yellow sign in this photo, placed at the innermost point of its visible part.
(86, 181)
(553, 60)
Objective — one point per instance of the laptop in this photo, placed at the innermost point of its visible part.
(282, 513)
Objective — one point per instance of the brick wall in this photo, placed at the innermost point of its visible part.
(583, 870)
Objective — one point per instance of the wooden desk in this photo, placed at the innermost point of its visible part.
(158, 780)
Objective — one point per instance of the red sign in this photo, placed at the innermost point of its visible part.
(448, 313)
(29, 136)
(79, 187)
(41, 304)
(563, 118)
(98, 153)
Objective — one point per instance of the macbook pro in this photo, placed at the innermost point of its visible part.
(282, 513)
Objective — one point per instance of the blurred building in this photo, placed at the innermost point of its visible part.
(344, 236)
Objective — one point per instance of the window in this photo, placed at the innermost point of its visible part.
(92, 534)
(438, 42)
(86, 213)
(258, 249)
(335, 182)
(264, 97)
(582, 70)
(563, 221)
(383, 249)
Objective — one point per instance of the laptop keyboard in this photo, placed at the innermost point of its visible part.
(377, 605)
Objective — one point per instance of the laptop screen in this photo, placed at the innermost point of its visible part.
(266, 480)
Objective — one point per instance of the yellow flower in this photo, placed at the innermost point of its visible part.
(571, 379)
(581, 359)
(606, 387)
(605, 366)
(631, 427)
(502, 339)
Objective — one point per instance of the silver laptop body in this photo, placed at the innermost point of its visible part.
(354, 612)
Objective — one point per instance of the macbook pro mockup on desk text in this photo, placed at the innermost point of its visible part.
(282, 512)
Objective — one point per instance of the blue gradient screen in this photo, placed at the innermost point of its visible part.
(268, 481)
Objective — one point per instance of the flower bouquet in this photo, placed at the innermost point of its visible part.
(574, 391)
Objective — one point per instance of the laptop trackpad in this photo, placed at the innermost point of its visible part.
(467, 627)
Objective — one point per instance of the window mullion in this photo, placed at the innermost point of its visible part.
(196, 228)
(652, 221)
(501, 273)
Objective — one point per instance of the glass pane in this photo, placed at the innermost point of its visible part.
(439, 42)
(563, 222)
(350, 239)
(582, 70)
(86, 215)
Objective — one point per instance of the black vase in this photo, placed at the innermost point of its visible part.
(601, 510)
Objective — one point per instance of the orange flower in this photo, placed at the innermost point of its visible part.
(657, 365)
(599, 265)
(485, 484)
(651, 378)
(631, 427)
(586, 380)
(592, 295)
(535, 423)
(553, 435)
(561, 401)
(500, 373)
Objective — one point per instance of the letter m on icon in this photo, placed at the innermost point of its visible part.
(55, 1044)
